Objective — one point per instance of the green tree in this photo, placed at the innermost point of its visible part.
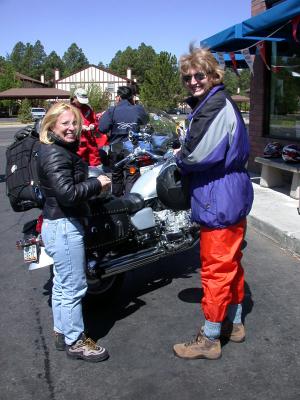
(101, 65)
(24, 114)
(74, 60)
(98, 100)
(2, 62)
(52, 62)
(8, 80)
(145, 59)
(123, 60)
(231, 81)
(162, 88)
(26, 66)
(244, 80)
(38, 60)
(17, 55)
(139, 60)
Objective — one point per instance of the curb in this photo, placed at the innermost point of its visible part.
(286, 240)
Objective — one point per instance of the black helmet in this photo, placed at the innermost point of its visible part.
(273, 150)
(291, 153)
(125, 92)
(172, 188)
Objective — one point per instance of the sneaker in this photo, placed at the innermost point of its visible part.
(233, 332)
(86, 349)
(59, 340)
(201, 347)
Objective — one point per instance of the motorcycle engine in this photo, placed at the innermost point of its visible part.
(174, 224)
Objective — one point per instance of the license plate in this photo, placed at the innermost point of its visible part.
(145, 169)
(30, 253)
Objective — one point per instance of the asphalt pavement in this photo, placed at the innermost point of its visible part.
(157, 307)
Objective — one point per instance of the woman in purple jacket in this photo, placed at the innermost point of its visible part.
(214, 155)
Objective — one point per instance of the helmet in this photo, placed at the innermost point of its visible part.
(273, 150)
(291, 153)
(172, 188)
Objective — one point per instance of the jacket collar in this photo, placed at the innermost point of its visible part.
(59, 141)
(197, 102)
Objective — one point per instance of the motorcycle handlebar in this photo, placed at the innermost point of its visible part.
(134, 156)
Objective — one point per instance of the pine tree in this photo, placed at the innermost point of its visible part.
(162, 88)
(17, 55)
(52, 62)
(24, 114)
(74, 60)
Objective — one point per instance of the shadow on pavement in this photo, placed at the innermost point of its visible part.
(100, 316)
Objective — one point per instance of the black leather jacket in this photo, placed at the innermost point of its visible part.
(64, 180)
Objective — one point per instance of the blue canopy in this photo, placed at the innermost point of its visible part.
(254, 29)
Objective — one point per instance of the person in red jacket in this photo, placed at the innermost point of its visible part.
(88, 149)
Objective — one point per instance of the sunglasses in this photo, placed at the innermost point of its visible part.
(199, 76)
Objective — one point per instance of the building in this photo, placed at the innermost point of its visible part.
(269, 41)
(105, 79)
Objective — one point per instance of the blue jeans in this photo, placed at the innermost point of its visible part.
(63, 239)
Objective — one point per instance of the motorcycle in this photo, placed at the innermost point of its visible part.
(129, 232)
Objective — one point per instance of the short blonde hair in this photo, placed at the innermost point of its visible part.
(201, 59)
(51, 116)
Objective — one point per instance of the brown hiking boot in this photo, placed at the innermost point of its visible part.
(233, 332)
(86, 349)
(201, 347)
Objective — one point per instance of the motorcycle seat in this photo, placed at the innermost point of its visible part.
(133, 202)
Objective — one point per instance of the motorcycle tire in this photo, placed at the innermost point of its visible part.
(104, 289)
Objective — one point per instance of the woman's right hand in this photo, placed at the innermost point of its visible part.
(105, 183)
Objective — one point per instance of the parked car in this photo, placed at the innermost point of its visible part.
(37, 113)
(176, 111)
(4, 114)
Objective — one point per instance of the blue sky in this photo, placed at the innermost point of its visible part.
(101, 28)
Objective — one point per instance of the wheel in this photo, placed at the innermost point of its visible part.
(104, 287)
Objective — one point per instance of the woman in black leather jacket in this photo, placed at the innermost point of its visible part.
(66, 189)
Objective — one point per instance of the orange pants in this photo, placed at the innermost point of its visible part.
(222, 273)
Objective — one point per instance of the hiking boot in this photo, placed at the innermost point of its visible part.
(233, 332)
(59, 340)
(86, 349)
(201, 347)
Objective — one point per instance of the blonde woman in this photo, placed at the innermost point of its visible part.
(214, 156)
(66, 189)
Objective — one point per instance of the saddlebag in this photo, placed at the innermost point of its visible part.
(109, 221)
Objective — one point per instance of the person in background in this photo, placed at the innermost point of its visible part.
(88, 149)
(66, 188)
(213, 157)
(116, 122)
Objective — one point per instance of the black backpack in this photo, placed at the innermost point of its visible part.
(22, 183)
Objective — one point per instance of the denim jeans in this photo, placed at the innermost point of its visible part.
(63, 239)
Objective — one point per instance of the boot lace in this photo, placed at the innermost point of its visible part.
(196, 340)
(91, 344)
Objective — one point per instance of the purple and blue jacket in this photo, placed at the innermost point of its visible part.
(214, 156)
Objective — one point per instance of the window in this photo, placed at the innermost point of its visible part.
(285, 92)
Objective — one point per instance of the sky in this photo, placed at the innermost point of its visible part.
(101, 28)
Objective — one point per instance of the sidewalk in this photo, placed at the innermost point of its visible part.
(275, 215)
